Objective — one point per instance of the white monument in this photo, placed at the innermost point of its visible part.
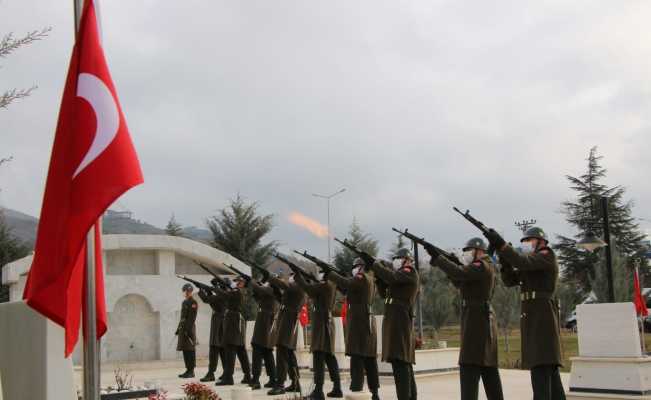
(610, 364)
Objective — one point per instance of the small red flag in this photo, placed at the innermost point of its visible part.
(304, 316)
(344, 311)
(638, 299)
(92, 163)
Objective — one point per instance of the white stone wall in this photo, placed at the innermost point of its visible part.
(143, 294)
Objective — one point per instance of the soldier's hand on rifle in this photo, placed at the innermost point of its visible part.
(431, 250)
(494, 239)
(367, 259)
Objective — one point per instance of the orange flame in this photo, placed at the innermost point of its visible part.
(308, 223)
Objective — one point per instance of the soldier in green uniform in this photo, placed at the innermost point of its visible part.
(361, 334)
(399, 289)
(263, 341)
(285, 332)
(187, 332)
(234, 330)
(476, 281)
(535, 270)
(216, 349)
(322, 345)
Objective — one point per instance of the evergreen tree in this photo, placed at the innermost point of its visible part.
(11, 249)
(173, 228)
(506, 303)
(344, 257)
(438, 298)
(238, 229)
(585, 215)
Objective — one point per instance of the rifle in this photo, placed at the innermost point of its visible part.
(324, 266)
(240, 273)
(368, 259)
(421, 241)
(296, 269)
(201, 286)
(472, 220)
(222, 283)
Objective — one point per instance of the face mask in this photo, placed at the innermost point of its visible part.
(397, 263)
(265, 284)
(233, 285)
(356, 270)
(319, 276)
(468, 257)
(527, 247)
(291, 279)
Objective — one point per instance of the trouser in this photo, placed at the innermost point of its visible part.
(546, 383)
(360, 364)
(403, 376)
(229, 363)
(321, 359)
(214, 353)
(469, 377)
(243, 357)
(262, 353)
(286, 363)
(190, 360)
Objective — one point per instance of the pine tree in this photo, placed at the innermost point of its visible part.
(344, 258)
(585, 215)
(173, 228)
(11, 249)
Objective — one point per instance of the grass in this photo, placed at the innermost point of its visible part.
(511, 359)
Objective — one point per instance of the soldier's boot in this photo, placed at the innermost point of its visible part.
(187, 374)
(247, 379)
(208, 378)
(255, 383)
(317, 394)
(270, 384)
(225, 382)
(374, 394)
(294, 387)
(276, 391)
(336, 389)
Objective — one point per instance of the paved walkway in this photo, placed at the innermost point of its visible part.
(516, 383)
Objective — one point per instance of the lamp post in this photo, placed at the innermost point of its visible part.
(328, 197)
(591, 242)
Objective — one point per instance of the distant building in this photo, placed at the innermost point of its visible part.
(112, 214)
(143, 294)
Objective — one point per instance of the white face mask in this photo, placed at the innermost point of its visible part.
(265, 284)
(356, 270)
(320, 276)
(233, 285)
(527, 247)
(467, 257)
(397, 263)
(291, 279)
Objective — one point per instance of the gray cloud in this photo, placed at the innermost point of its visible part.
(412, 106)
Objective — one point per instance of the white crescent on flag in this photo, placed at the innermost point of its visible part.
(94, 91)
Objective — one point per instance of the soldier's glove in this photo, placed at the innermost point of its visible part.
(494, 239)
(431, 250)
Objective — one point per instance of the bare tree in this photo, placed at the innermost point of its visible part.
(8, 45)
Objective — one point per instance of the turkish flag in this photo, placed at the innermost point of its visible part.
(304, 316)
(93, 162)
(638, 299)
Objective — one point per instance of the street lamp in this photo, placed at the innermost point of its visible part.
(328, 197)
(591, 242)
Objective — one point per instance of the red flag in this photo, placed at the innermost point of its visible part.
(344, 311)
(638, 299)
(303, 316)
(92, 163)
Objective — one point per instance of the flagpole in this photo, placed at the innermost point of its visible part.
(91, 344)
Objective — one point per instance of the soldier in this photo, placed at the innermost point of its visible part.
(216, 349)
(234, 330)
(361, 334)
(285, 332)
(263, 341)
(535, 270)
(476, 281)
(399, 288)
(187, 332)
(322, 345)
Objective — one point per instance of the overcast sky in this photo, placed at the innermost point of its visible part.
(412, 106)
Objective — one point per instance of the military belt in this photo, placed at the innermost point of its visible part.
(476, 303)
(533, 295)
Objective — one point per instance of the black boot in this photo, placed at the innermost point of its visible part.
(375, 395)
(276, 391)
(247, 379)
(187, 374)
(336, 391)
(270, 384)
(294, 387)
(255, 384)
(224, 382)
(317, 394)
(208, 378)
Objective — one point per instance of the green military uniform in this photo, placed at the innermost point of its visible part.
(361, 333)
(234, 331)
(286, 332)
(263, 340)
(398, 341)
(537, 274)
(478, 356)
(187, 334)
(322, 343)
(216, 332)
